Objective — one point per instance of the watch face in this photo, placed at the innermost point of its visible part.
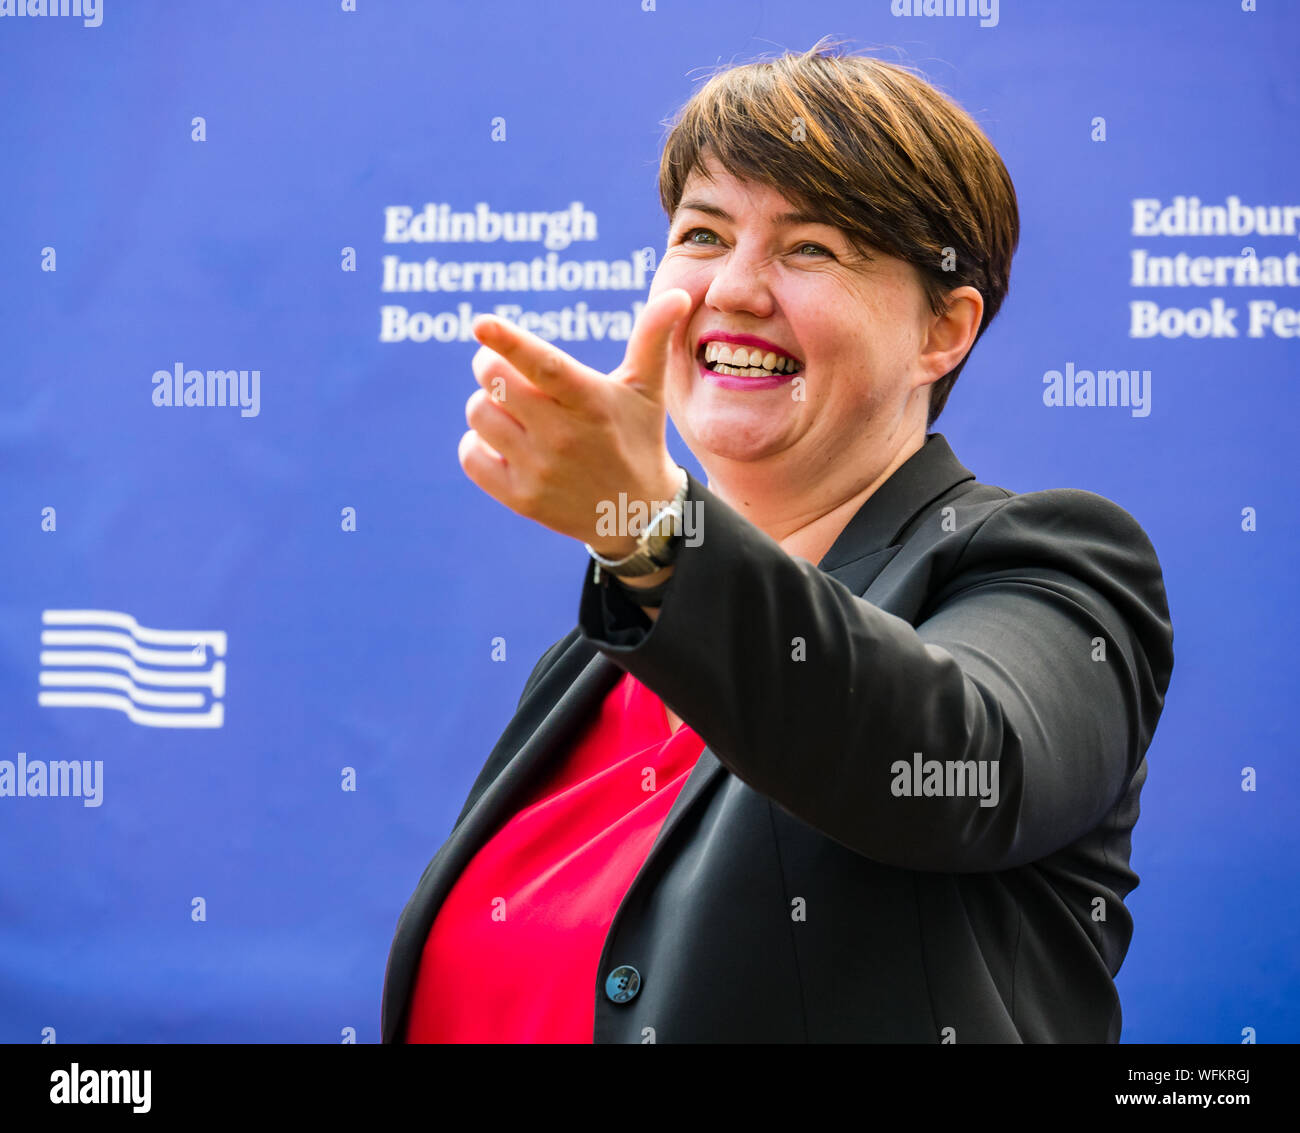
(664, 549)
(642, 564)
(656, 549)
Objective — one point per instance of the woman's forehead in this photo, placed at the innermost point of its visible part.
(727, 197)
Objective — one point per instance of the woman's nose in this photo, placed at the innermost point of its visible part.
(740, 282)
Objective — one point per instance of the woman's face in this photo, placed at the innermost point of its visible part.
(856, 328)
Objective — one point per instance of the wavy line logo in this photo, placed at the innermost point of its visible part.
(159, 678)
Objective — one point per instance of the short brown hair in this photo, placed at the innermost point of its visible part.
(872, 147)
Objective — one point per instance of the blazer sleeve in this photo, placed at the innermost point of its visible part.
(1042, 650)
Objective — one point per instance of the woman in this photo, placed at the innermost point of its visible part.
(886, 797)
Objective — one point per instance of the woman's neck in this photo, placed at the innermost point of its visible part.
(806, 521)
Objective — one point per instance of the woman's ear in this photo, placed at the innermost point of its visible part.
(950, 336)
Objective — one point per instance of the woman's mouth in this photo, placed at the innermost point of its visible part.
(740, 367)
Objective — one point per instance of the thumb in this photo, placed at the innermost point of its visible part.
(646, 359)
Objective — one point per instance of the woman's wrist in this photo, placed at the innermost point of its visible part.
(645, 581)
(653, 544)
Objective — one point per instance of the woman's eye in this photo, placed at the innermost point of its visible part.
(688, 237)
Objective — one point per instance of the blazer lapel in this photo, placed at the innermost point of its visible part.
(494, 807)
(879, 524)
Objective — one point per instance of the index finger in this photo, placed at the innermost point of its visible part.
(548, 367)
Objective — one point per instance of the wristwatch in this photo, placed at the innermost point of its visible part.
(657, 546)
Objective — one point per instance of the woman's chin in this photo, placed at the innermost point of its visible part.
(738, 434)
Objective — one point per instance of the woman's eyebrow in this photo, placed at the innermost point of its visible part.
(782, 220)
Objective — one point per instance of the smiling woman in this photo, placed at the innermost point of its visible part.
(860, 759)
(843, 203)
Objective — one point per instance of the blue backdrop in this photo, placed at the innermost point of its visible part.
(247, 648)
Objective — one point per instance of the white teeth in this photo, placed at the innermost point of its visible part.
(743, 371)
(750, 362)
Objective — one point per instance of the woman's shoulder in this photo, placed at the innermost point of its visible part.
(1071, 542)
(1050, 515)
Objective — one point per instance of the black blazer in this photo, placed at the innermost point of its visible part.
(816, 879)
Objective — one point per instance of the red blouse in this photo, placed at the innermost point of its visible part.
(513, 952)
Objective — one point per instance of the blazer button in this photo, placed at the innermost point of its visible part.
(623, 983)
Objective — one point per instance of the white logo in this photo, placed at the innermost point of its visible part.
(187, 689)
